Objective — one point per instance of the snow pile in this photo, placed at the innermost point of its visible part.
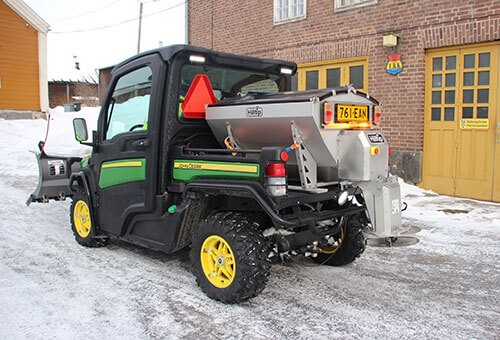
(61, 140)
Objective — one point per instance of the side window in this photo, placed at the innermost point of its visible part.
(129, 106)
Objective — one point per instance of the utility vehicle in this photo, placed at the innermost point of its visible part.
(208, 149)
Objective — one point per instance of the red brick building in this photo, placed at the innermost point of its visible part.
(450, 57)
(68, 92)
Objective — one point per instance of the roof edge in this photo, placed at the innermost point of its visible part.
(28, 14)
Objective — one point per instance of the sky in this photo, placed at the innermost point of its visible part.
(101, 33)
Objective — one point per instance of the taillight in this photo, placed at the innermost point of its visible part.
(276, 178)
(389, 156)
(377, 115)
(276, 169)
(328, 113)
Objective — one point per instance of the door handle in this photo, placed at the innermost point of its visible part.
(141, 143)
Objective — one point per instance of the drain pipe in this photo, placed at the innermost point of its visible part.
(186, 22)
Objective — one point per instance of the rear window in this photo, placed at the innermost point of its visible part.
(229, 83)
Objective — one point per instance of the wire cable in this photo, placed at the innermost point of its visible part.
(118, 23)
(88, 12)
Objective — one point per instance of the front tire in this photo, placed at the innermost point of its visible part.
(230, 257)
(82, 222)
(350, 243)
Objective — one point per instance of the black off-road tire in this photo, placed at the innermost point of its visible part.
(251, 255)
(353, 244)
(90, 240)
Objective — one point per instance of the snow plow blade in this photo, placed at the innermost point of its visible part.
(54, 173)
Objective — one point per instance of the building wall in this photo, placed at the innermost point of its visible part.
(81, 92)
(248, 28)
(104, 80)
(20, 86)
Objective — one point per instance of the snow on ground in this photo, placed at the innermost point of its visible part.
(445, 287)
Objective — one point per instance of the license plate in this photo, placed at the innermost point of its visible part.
(352, 113)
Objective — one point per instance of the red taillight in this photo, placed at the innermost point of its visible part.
(389, 156)
(328, 113)
(275, 170)
(377, 115)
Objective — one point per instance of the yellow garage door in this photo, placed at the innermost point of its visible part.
(461, 135)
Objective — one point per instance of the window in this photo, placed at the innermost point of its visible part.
(343, 5)
(289, 10)
(129, 106)
(334, 73)
(229, 83)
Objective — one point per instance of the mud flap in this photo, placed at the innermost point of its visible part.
(54, 173)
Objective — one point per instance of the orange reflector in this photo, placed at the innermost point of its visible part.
(199, 94)
(374, 150)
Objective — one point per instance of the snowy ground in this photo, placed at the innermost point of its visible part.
(445, 287)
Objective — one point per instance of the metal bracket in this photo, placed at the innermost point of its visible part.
(305, 161)
(234, 143)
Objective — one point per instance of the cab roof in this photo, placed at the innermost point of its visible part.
(264, 65)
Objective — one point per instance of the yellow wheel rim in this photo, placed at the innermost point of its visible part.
(217, 261)
(81, 217)
(334, 247)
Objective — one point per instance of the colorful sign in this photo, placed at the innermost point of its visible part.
(479, 124)
(394, 66)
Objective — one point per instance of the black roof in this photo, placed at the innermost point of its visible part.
(233, 60)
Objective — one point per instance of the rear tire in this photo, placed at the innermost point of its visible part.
(230, 257)
(351, 243)
(82, 222)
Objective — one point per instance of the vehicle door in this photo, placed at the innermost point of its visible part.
(126, 161)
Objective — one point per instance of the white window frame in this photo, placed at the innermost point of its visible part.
(345, 5)
(290, 17)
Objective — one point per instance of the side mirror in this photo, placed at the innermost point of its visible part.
(80, 128)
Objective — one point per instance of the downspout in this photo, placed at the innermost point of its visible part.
(186, 22)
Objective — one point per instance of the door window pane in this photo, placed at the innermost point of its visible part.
(450, 80)
(311, 80)
(437, 64)
(451, 63)
(482, 112)
(436, 113)
(356, 76)
(449, 114)
(295, 82)
(333, 77)
(436, 97)
(483, 78)
(468, 96)
(467, 112)
(129, 107)
(484, 60)
(468, 78)
(469, 60)
(449, 97)
(437, 80)
(483, 95)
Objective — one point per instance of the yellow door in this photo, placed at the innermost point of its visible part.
(461, 112)
(334, 73)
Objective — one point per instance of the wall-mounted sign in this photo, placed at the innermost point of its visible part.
(479, 124)
(394, 65)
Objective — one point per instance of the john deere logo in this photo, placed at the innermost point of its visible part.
(256, 111)
(394, 66)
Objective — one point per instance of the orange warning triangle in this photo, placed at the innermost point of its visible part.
(199, 94)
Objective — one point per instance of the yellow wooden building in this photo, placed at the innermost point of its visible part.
(23, 60)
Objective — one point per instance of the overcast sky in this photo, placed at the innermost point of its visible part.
(79, 28)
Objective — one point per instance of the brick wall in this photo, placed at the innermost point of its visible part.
(81, 92)
(246, 27)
